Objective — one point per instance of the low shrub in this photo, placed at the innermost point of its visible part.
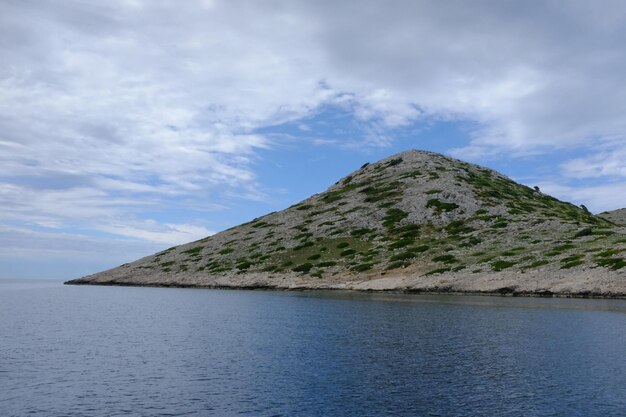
(306, 267)
(500, 265)
(447, 259)
(362, 267)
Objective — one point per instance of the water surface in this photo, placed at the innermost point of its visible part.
(115, 351)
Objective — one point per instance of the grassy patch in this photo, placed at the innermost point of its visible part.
(500, 265)
(242, 266)
(446, 259)
(400, 243)
(411, 174)
(403, 256)
(381, 191)
(306, 267)
(439, 206)
(194, 251)
(587, 231)
(407, 231)
(537, 264)
(438, 271)
(607, 253)
(612, 263)
(394, 216)
(226, 251)
(572, 264)
(304, 245)
(458, 227)
(501, 224)
(394, 162)
(362, 267)
(360, 232)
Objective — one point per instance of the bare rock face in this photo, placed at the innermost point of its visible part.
(416, 221)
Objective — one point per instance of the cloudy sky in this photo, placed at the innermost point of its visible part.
(128, 126)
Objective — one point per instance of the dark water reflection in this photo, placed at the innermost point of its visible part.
(108, 351)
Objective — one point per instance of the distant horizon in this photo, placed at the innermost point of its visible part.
(131, 127)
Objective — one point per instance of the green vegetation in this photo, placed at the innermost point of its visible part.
(500, 265)
(501, 224)
(362, 267)
(194, 251)
(440, 206)
(612, 263)
(306, 267)
(382, 191)
(438, 271)
(403, 256)
(446, 259)
(458, 227)
(394, 216)
(538, 263)
(400, 243)
(360, 232)
(304, 245)
(587, 231)
(397, 264)
(244, 265)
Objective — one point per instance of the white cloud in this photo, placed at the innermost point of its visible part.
(608, 163)
(23, 243)
(596, 198)
(169, 234)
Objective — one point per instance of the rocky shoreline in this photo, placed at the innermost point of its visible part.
(587, 284)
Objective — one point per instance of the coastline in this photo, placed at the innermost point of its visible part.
(501, 292)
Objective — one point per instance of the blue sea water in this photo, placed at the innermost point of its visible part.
(116, 351)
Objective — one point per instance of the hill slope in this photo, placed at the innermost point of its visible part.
(615, 216)
(416, 221)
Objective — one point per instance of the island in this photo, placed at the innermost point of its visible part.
(415, 222)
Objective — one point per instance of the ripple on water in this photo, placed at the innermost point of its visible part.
(103, 351)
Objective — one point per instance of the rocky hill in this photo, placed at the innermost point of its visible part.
(615, 216)
(417, 221)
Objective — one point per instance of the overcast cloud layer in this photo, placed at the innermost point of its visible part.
(109, 109)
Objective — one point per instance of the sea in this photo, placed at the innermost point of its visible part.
(130, 351)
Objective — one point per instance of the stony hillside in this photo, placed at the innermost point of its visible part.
(416, 221)
(615, 216)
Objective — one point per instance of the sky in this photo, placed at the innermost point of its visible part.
(129, 126)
